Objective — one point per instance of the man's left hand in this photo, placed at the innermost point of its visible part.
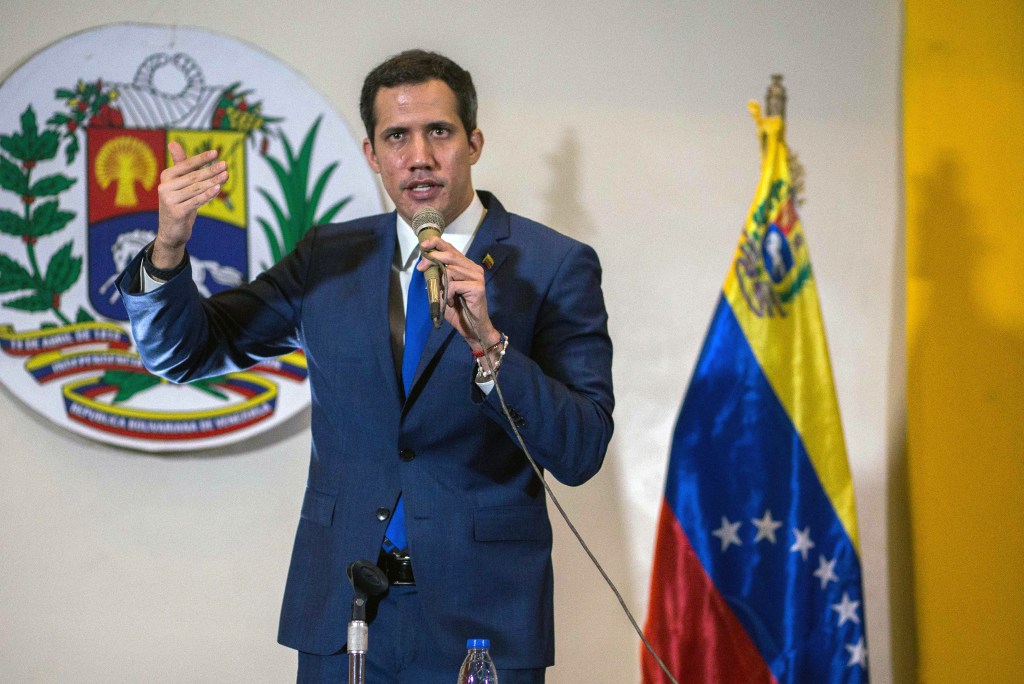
(465, 296)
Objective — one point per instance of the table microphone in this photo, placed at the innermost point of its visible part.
(367, 580)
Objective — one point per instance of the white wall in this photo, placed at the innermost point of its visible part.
(623, 125)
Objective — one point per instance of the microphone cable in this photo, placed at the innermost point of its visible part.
(540, 473)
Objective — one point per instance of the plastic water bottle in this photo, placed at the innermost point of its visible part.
(478, 668)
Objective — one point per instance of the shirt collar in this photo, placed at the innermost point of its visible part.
(459, 233)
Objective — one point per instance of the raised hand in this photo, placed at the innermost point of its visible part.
(184, 187)
(466, 295)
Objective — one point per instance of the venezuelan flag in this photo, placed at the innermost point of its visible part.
(756, 574)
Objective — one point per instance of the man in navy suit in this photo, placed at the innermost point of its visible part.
(413, 461)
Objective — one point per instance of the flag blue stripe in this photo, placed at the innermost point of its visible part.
(736, 454)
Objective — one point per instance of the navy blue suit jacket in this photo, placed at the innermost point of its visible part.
(478, 527)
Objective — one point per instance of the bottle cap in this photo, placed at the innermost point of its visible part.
(478, 643)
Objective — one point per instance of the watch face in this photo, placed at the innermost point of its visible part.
(84, 131)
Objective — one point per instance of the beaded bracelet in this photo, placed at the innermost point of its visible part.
(484, 352)
(484, 373)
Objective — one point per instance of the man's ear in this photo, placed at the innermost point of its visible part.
(476, 145)
(371, 155)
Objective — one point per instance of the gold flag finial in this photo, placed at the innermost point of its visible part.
(775, 98)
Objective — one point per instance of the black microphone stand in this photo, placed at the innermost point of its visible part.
(367, 580)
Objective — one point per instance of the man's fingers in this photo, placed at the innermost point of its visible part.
(190, 205)
(177, 152)
(437, 244)
(189, 163)
(183, 166)
(439, 251)
(459, 273)
(173, 193)
(208, 188)
(182, 180)
(202, 198)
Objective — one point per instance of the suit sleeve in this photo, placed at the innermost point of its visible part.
(559, 391)
(182, 336)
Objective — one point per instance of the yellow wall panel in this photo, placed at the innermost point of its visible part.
(964, 163)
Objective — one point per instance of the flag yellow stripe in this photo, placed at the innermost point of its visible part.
(788, 339)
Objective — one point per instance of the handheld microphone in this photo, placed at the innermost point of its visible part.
(429, 223)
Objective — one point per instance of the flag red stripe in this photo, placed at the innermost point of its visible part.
(689, 624)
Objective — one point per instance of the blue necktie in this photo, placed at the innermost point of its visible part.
(417, 329)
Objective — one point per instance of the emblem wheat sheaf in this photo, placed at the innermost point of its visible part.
(80, 157)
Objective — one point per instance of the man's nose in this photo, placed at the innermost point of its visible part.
(421, 153)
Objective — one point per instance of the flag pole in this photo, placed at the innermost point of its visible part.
(775, 98)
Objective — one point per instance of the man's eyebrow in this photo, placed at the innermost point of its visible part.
(431, 125)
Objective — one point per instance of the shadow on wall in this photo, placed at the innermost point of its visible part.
(565, 210)
(900, 556)
(594, 639)
(902, 620)
(964, 406)
(595, 642)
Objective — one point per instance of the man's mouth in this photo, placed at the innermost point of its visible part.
(420, 183)
(422, 188)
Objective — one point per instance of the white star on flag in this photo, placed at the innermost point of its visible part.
(728, 533)
(803, 542)
(826, 571)
(858, 654)
(847, 610)
(765, 527)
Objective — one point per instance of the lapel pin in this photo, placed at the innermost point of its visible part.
(488, 261)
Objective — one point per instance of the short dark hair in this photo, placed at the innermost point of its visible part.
(418, 66)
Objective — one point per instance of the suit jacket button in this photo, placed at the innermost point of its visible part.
(382, 514)
(406, 455)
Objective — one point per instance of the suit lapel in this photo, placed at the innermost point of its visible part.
(379, 267)
(492, 238)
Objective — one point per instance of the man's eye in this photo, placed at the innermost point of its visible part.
(440, 132)
(397, 135)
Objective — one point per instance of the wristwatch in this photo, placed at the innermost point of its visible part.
(163, 274)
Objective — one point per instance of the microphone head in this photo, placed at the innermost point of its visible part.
(427, 219)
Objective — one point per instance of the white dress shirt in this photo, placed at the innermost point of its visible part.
(459, 234)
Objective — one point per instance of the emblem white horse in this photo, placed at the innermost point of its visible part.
(773, 245)
(128, 244)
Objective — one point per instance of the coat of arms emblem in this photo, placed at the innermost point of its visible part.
(80, 158)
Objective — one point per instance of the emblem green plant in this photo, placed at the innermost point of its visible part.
(88, 104)
(299, 212)
(130, 383)
(234, 112)
(42, 290)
